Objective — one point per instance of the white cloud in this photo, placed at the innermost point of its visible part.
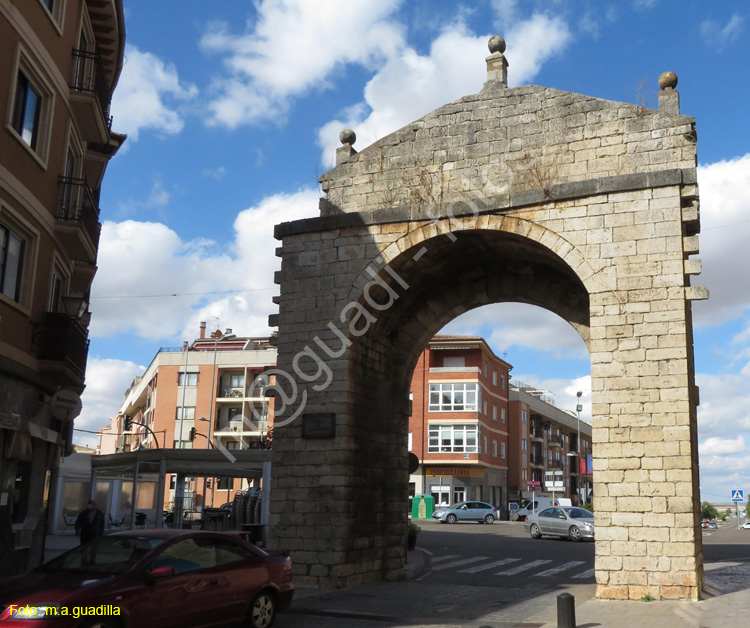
(106, 383)
(508, 325)
(725, 229)
(410, 85)
(146, 95)
(293, 46)
(717, 35)
(147, 262)
(715, 446)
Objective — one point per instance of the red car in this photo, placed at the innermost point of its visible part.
(159, 578)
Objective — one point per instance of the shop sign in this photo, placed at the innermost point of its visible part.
(10, 421)
(457, 472)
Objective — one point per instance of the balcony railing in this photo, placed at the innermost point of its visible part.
(89, 76)
(78, 204)
(62, 339)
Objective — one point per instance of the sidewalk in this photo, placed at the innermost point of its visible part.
(726, 603)
(417, 604)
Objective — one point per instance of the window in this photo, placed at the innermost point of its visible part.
(502, 382)
(484, 369)
(484, 407)
(224, 484)
(494, 412)
(184, 444)
(228, 553)
(494, 448)
(27, 110)
(524, 416)
(410, 442)
(454, 397)
(502, 450)
(188, 555)
(55, 292)
(235, 414)
(485, 445)
(453, 438)
(187, 379)
(236, 381)
(55, 9)
(189, 415)
(11, 263)
(502, 415)
(524, 445)
(494, 378)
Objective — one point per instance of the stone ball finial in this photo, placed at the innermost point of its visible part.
(347, 136)
(496, 44)
(668, 80)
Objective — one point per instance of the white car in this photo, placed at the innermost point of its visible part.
(746, 525)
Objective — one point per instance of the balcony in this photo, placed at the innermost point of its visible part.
(62, 348)
(536, 432)
(78, 218)
(554, 441)
(555, 464)
(536, 458)
(90, 96)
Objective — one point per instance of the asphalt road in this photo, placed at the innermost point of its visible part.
(482, 576)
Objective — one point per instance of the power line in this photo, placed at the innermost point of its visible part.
(179, 294)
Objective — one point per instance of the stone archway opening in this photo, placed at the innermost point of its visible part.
(586, 207)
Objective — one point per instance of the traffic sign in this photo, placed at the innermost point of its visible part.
(533, 483)
(738, 495)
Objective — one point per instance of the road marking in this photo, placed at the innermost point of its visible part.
(556, 570)
(444, 557)
(458, 563)
(520, 568)
(497, 563)
(589, 573)
(424, 551)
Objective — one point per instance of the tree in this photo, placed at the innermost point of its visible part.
(708, 511)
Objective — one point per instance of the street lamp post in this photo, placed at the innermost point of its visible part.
(578, 412)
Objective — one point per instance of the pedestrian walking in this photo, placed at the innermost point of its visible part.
(90, 523)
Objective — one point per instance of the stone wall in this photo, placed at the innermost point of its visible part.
(585, 207)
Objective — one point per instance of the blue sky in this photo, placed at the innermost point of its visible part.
(233, 110)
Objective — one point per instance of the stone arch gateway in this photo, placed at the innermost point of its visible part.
(586, 207)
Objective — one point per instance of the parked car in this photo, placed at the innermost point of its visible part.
(712, 525)
(466, 511)
(563, 521)
(159, 578)
(746, 525)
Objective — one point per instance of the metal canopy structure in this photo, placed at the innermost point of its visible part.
(209, 463)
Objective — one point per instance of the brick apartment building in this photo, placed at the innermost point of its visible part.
(59, 63)
(544, 439)
(477, 436)
(459, 422)
(205, 388)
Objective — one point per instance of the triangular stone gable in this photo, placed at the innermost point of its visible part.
(508, 140)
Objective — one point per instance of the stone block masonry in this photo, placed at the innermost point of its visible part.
(583, 206)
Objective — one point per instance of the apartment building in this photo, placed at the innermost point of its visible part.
(544, 446)
(204, 394)
(459, 426)
(59, 63)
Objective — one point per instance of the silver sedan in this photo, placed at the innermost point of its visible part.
(563, 521)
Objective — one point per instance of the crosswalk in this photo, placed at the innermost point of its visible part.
(540, 568)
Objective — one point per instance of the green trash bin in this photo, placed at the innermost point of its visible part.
(422, 507)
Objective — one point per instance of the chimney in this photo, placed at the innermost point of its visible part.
(203, 330)
(497, 64)
(228, 331)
